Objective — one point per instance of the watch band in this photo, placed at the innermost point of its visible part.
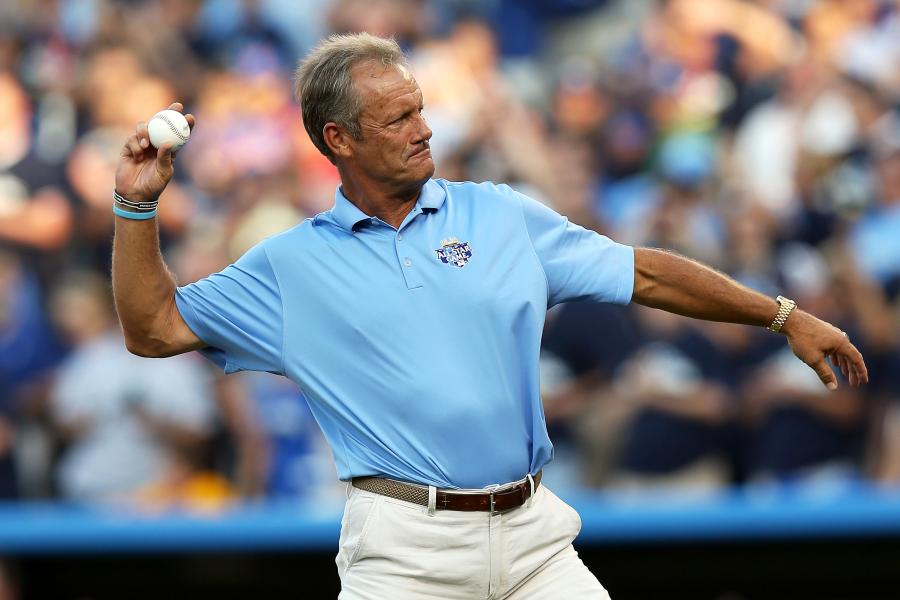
(785, 306)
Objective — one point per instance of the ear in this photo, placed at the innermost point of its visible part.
(337, 140)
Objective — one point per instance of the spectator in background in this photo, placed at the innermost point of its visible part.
(576, 364)
(28, 352)
(687, 217)
(875, 238)
(184, 484)
(299, 463)
(35, 214)
(674, 384)
(126, 421)
(765, 149)
(627, 191)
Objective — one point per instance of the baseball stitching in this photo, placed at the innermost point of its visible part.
(172, 127)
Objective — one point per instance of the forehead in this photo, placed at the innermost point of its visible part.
(381, 86)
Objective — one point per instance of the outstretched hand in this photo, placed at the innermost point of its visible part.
(144, 171)
(814, 342)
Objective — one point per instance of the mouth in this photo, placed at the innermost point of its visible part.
(423, 153)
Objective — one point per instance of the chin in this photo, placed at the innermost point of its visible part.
(429, 169)
(420, 173)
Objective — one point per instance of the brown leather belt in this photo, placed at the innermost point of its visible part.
(499, 500)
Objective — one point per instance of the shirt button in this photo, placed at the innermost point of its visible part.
(407, 262)
(399, 237)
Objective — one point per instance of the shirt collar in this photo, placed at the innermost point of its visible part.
(345, 213)
(348, 216)
(432, 197)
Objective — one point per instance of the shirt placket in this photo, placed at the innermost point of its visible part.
(403, 247)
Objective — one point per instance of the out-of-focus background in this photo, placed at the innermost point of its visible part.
(761, 137)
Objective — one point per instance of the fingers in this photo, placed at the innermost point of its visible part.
(180, 108)
(137, 143)
(853, 365)
(133, 149)
(850, 361)
(839, 362)
(854, 357)
(142, 134)
(846, 369)
(825, 373)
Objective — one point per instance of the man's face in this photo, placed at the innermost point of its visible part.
(394, 146)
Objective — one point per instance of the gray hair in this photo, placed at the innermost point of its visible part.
(324, 86)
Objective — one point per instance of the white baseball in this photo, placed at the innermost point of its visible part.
(169, 126)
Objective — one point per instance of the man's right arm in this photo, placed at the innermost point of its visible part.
(143, 286)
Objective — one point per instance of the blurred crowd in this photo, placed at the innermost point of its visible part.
(761, 137)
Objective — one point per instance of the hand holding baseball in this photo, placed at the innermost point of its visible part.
(144, 171)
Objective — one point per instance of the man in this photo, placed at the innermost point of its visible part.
(411, 315)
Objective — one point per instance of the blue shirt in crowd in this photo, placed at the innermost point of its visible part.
(416, 347)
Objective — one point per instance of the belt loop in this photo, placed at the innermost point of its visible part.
(531, 486)
(349, 488)
(432, 500)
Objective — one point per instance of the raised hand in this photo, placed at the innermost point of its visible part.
(814, 341)
(144, 171)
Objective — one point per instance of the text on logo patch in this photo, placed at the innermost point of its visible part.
(454, 252)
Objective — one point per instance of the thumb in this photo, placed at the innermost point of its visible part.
(825, 373)
(165, 159)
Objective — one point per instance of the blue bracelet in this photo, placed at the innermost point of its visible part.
(136, 216)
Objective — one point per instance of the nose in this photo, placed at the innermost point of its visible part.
(423, 131)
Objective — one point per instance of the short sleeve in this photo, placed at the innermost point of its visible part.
(578, 263)
(238, 313)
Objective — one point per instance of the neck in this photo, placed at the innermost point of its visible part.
(391, 206)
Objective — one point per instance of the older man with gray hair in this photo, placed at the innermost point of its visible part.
(411, 315)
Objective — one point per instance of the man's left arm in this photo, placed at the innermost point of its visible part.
(676, 284)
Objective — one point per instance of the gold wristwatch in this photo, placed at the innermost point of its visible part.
(785, 306)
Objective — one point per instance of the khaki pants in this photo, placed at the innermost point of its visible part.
(395, 550)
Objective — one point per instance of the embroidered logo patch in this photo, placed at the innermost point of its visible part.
(454, 252)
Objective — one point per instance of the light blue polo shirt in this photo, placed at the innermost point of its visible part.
(416, 347)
